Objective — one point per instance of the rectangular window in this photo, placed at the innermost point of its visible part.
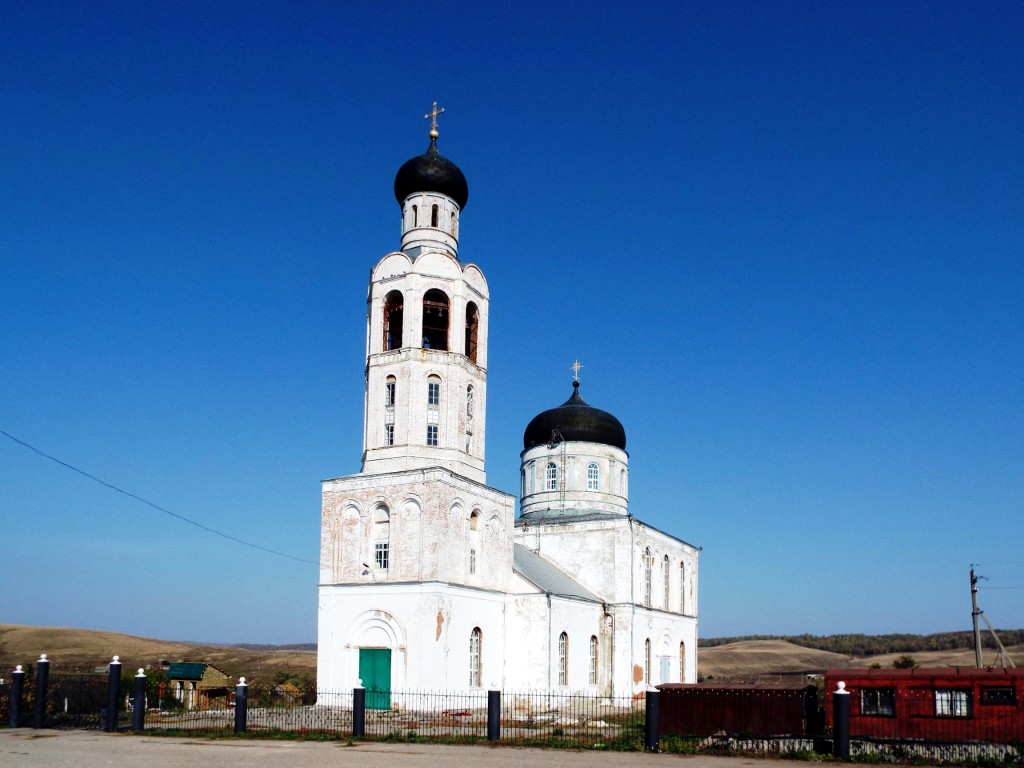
(432, 434)
(389, 393)
(878, 701)
(433, 393)
(951, 702)
(389, 434)
(380, 555)
(592, 677)
(472, 561)
(1002, 694)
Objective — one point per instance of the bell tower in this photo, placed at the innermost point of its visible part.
(426, 355)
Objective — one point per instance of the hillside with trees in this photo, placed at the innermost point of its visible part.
(857, 645)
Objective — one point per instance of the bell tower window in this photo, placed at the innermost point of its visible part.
(390, 387)
(472, 330)
(435, 320)
(433, 407)
(393, 311)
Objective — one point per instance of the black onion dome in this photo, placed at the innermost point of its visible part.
(575, 420)
(430, 172)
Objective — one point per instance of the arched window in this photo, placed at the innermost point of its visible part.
(433, 408)
(551, 477)
(682, 662)
(381, 537)
(473, 535)
(435, 320)
(622, 482)
(593, 477)
(563, 659)
(682, 587)
(470, 406)
(522, 482)
(433, 215)
(592, 677)
(648, 567)
(667, 578)
(452, 227)
(390, 392)
(476, 642)
(415, 216)
(647, 661)
(393, 311)
(472, 330)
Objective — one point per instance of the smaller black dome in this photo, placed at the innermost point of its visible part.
(430, 172)
(575, 420)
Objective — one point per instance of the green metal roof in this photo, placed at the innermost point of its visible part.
(186, 670)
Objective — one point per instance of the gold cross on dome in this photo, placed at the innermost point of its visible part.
(432, 114)
(575, 368)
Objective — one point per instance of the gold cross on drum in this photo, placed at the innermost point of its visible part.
(575, 367)
(432, 114)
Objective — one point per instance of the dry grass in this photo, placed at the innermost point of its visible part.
(770, 661)
(763, 661)
(85, 649)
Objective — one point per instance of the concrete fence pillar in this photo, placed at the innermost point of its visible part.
(841, 722)
(241, 705)
(17, 697)
(139, 702)
(42, 690)
(113, 694)
(652, 733)
(358, 712)
(493, 715)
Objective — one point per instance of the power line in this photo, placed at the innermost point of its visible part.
(157, 507)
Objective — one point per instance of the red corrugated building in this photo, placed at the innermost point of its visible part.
(952, 704)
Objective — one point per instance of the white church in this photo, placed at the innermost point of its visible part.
(428, 581)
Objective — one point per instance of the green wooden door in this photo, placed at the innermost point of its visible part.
(375, 672)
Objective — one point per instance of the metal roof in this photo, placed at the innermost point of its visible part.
(547, 577)
(186, 670)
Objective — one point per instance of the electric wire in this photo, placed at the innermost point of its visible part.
(157, 507)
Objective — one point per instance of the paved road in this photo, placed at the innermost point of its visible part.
(27, 748)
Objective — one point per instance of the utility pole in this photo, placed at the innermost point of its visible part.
(975, 612)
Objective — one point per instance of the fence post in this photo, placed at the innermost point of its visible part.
(493, 715)
(241, 705)
(113, 694)
(652, 734)
(17, 696)
(139, 702)
(42, 683)
(358, 712)
(841, 722)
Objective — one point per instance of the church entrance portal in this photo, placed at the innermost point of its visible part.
(375, 672)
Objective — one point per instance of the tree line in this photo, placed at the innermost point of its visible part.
(873, 645)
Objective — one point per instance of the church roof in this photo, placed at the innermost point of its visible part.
(574, 420)
(548, 577)
(430, 172)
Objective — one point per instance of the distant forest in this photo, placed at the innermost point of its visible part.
(873, 645)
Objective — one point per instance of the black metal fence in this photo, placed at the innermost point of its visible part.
(767, 721)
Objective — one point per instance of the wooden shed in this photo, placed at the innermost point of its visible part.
(705, 709)
(198, 685)
(938, 704)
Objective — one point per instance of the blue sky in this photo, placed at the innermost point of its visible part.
(783, 238)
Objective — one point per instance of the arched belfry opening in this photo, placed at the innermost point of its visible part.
(435, 320)
(393, 313)
(472, 330)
